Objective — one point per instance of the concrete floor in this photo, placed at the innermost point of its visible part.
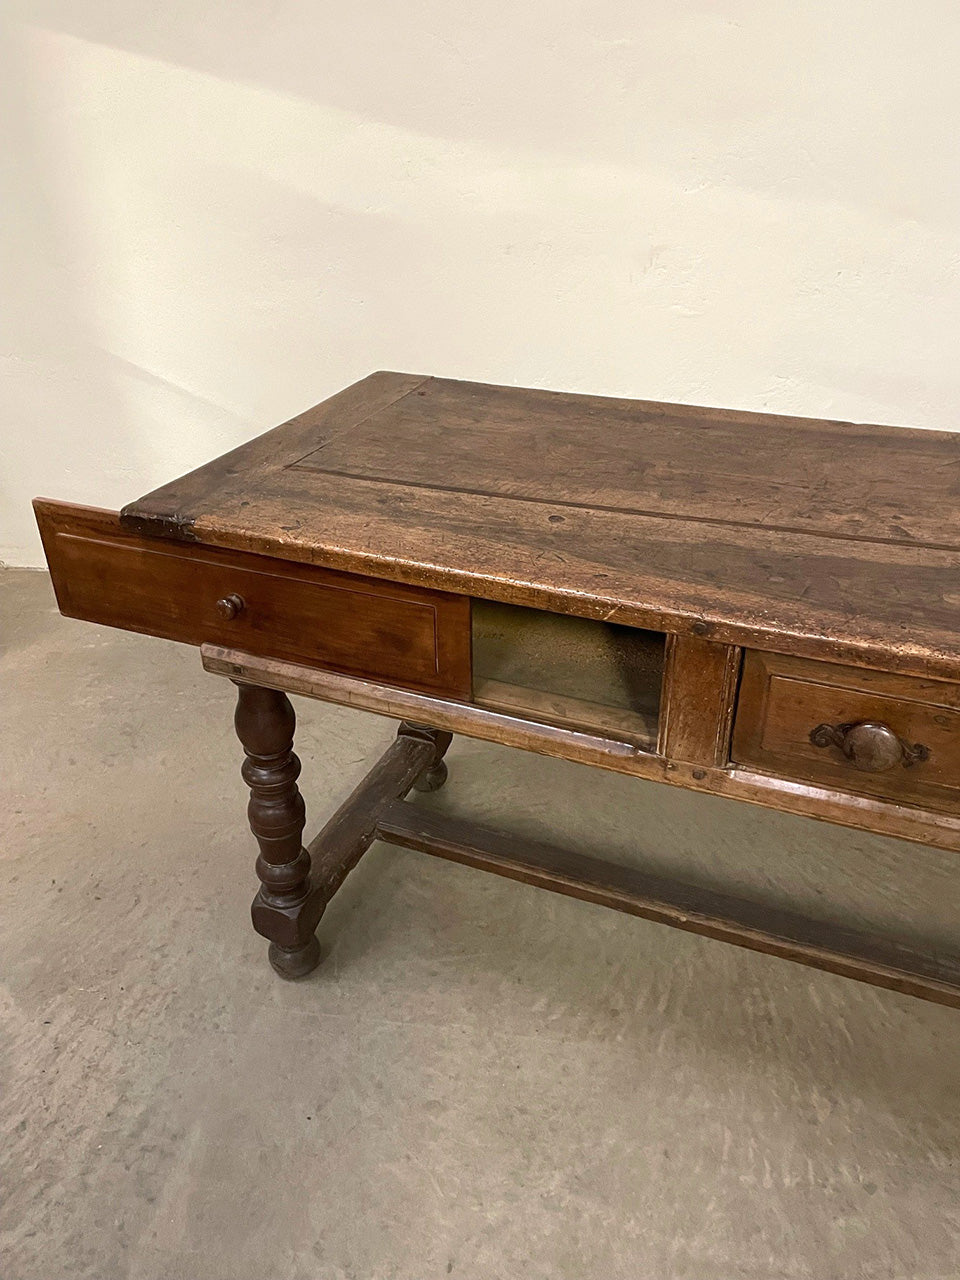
(481, 1080)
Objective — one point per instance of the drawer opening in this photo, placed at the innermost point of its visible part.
(577, 673)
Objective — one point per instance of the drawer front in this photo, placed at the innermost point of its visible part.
(865, 731)
(384, 631)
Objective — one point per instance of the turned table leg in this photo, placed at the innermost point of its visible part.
(265, 723)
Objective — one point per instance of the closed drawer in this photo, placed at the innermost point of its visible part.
(865, 731)
(385, 631)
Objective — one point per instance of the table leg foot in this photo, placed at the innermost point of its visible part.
(295, 962)
(432, 779)
(435, 774)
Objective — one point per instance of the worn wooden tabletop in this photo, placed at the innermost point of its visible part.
(745, 527)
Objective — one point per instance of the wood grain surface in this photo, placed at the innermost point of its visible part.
(820, 538)
(104, 573)
(784, 699)
(700, 686)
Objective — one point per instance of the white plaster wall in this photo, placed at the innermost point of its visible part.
(220, 212)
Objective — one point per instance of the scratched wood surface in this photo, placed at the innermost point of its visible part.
(819, 538)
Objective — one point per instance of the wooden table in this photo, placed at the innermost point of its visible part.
(761, 607)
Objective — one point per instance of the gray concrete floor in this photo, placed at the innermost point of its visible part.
(481, 1080)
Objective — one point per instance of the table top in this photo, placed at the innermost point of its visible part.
(829, 539)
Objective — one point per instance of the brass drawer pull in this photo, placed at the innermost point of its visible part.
(230, 606)
(869, 745)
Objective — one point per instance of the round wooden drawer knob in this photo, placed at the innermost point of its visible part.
(872, 747)
(869, 745)
(230, 606)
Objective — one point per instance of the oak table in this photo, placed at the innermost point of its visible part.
(761, 607)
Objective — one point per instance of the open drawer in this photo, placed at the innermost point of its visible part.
(384, 631)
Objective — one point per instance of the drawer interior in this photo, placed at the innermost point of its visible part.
(599, 677)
